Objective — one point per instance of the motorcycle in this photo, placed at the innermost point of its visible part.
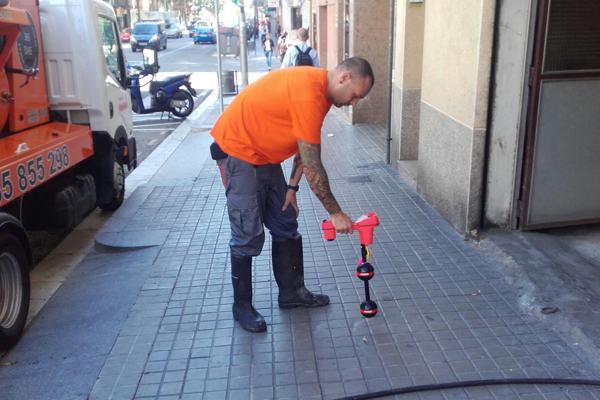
(167, 95)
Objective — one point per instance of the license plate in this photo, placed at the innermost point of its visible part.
(143, 43)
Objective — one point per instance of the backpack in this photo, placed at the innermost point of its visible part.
(303, 57)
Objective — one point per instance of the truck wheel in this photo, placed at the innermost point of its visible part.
(182, 104)
(118, 189)
(14, 289)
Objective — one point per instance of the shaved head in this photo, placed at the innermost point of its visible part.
(349, 82)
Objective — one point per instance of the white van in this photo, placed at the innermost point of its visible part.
(86, 72)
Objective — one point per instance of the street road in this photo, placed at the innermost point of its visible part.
(182, 55)
(151, 129)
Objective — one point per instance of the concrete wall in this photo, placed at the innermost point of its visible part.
(508, 121)
(406, 84)
(369, 38)
(454, 100)
(328, 42)
(333, 45)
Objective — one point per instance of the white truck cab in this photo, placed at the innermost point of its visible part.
(85, 68)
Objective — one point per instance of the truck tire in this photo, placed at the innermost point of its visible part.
(118, 189)
(185, 104)
(14, 289)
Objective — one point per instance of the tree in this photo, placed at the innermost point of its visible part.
(210, 4)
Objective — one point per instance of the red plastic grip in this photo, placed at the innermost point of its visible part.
(365, 225)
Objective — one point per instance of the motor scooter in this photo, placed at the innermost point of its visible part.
(167, 95)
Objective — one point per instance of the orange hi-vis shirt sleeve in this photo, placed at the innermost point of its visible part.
(264, 122)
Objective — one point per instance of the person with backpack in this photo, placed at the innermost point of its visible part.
(300, 53)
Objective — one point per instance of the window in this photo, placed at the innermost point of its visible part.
(146, 29)
(573, 36)
(296, 18)
(110, 49)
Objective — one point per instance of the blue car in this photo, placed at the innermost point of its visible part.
(204, 34)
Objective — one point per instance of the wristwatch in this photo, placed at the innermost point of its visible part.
(295, 188)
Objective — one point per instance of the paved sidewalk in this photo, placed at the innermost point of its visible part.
(446, 312)
(158, 325)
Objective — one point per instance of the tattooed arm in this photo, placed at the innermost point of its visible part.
(316, 176)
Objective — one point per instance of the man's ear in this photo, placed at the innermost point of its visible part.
(344, 77)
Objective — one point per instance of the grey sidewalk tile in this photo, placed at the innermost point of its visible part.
(147, 390)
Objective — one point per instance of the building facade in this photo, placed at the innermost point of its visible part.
(507, 110)
(492, 106)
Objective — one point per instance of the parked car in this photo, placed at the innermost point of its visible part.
(149, 34)
(173, 31)
(125, 35)
(191, 28)
(204, 34)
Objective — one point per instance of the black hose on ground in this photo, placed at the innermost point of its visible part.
(481, 382)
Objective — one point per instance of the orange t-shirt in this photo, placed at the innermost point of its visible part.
(263, 123)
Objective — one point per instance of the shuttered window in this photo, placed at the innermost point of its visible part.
(573, 36)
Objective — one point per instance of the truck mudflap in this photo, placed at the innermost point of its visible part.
(129, 154)
(36, 155)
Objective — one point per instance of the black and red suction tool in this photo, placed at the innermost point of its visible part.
(365, 225)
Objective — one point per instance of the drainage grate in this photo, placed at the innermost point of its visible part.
(359, 179)
(369, 165)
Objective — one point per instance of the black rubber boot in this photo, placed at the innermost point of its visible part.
(243, 312)
(288, 268)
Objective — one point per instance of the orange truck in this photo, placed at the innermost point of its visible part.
(65, 130)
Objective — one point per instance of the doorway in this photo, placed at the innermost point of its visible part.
(561, 173)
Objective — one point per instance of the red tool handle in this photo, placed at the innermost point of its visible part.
(365, 225)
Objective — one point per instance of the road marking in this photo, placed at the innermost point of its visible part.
(164, 133)
(165, 52)
(154, 122)
(150, 143)
(161, 130)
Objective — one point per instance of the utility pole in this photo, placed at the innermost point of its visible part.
(243, 45)
(139, 11)
(311, 28)
(219, 64)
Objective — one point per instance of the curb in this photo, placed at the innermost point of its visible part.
(162, 152)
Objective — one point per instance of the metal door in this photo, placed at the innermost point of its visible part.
(561, 181)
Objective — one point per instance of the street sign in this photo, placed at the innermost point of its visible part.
(273, 3)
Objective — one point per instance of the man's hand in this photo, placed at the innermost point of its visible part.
(290, 200)
(341, 222)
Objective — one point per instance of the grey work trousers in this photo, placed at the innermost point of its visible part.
(255, 196)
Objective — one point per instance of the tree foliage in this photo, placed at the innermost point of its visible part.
(209, 4)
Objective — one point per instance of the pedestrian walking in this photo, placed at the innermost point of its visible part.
(263, 29)
(271, 120)
(268, 46)
(281, 46)
(299, 52)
